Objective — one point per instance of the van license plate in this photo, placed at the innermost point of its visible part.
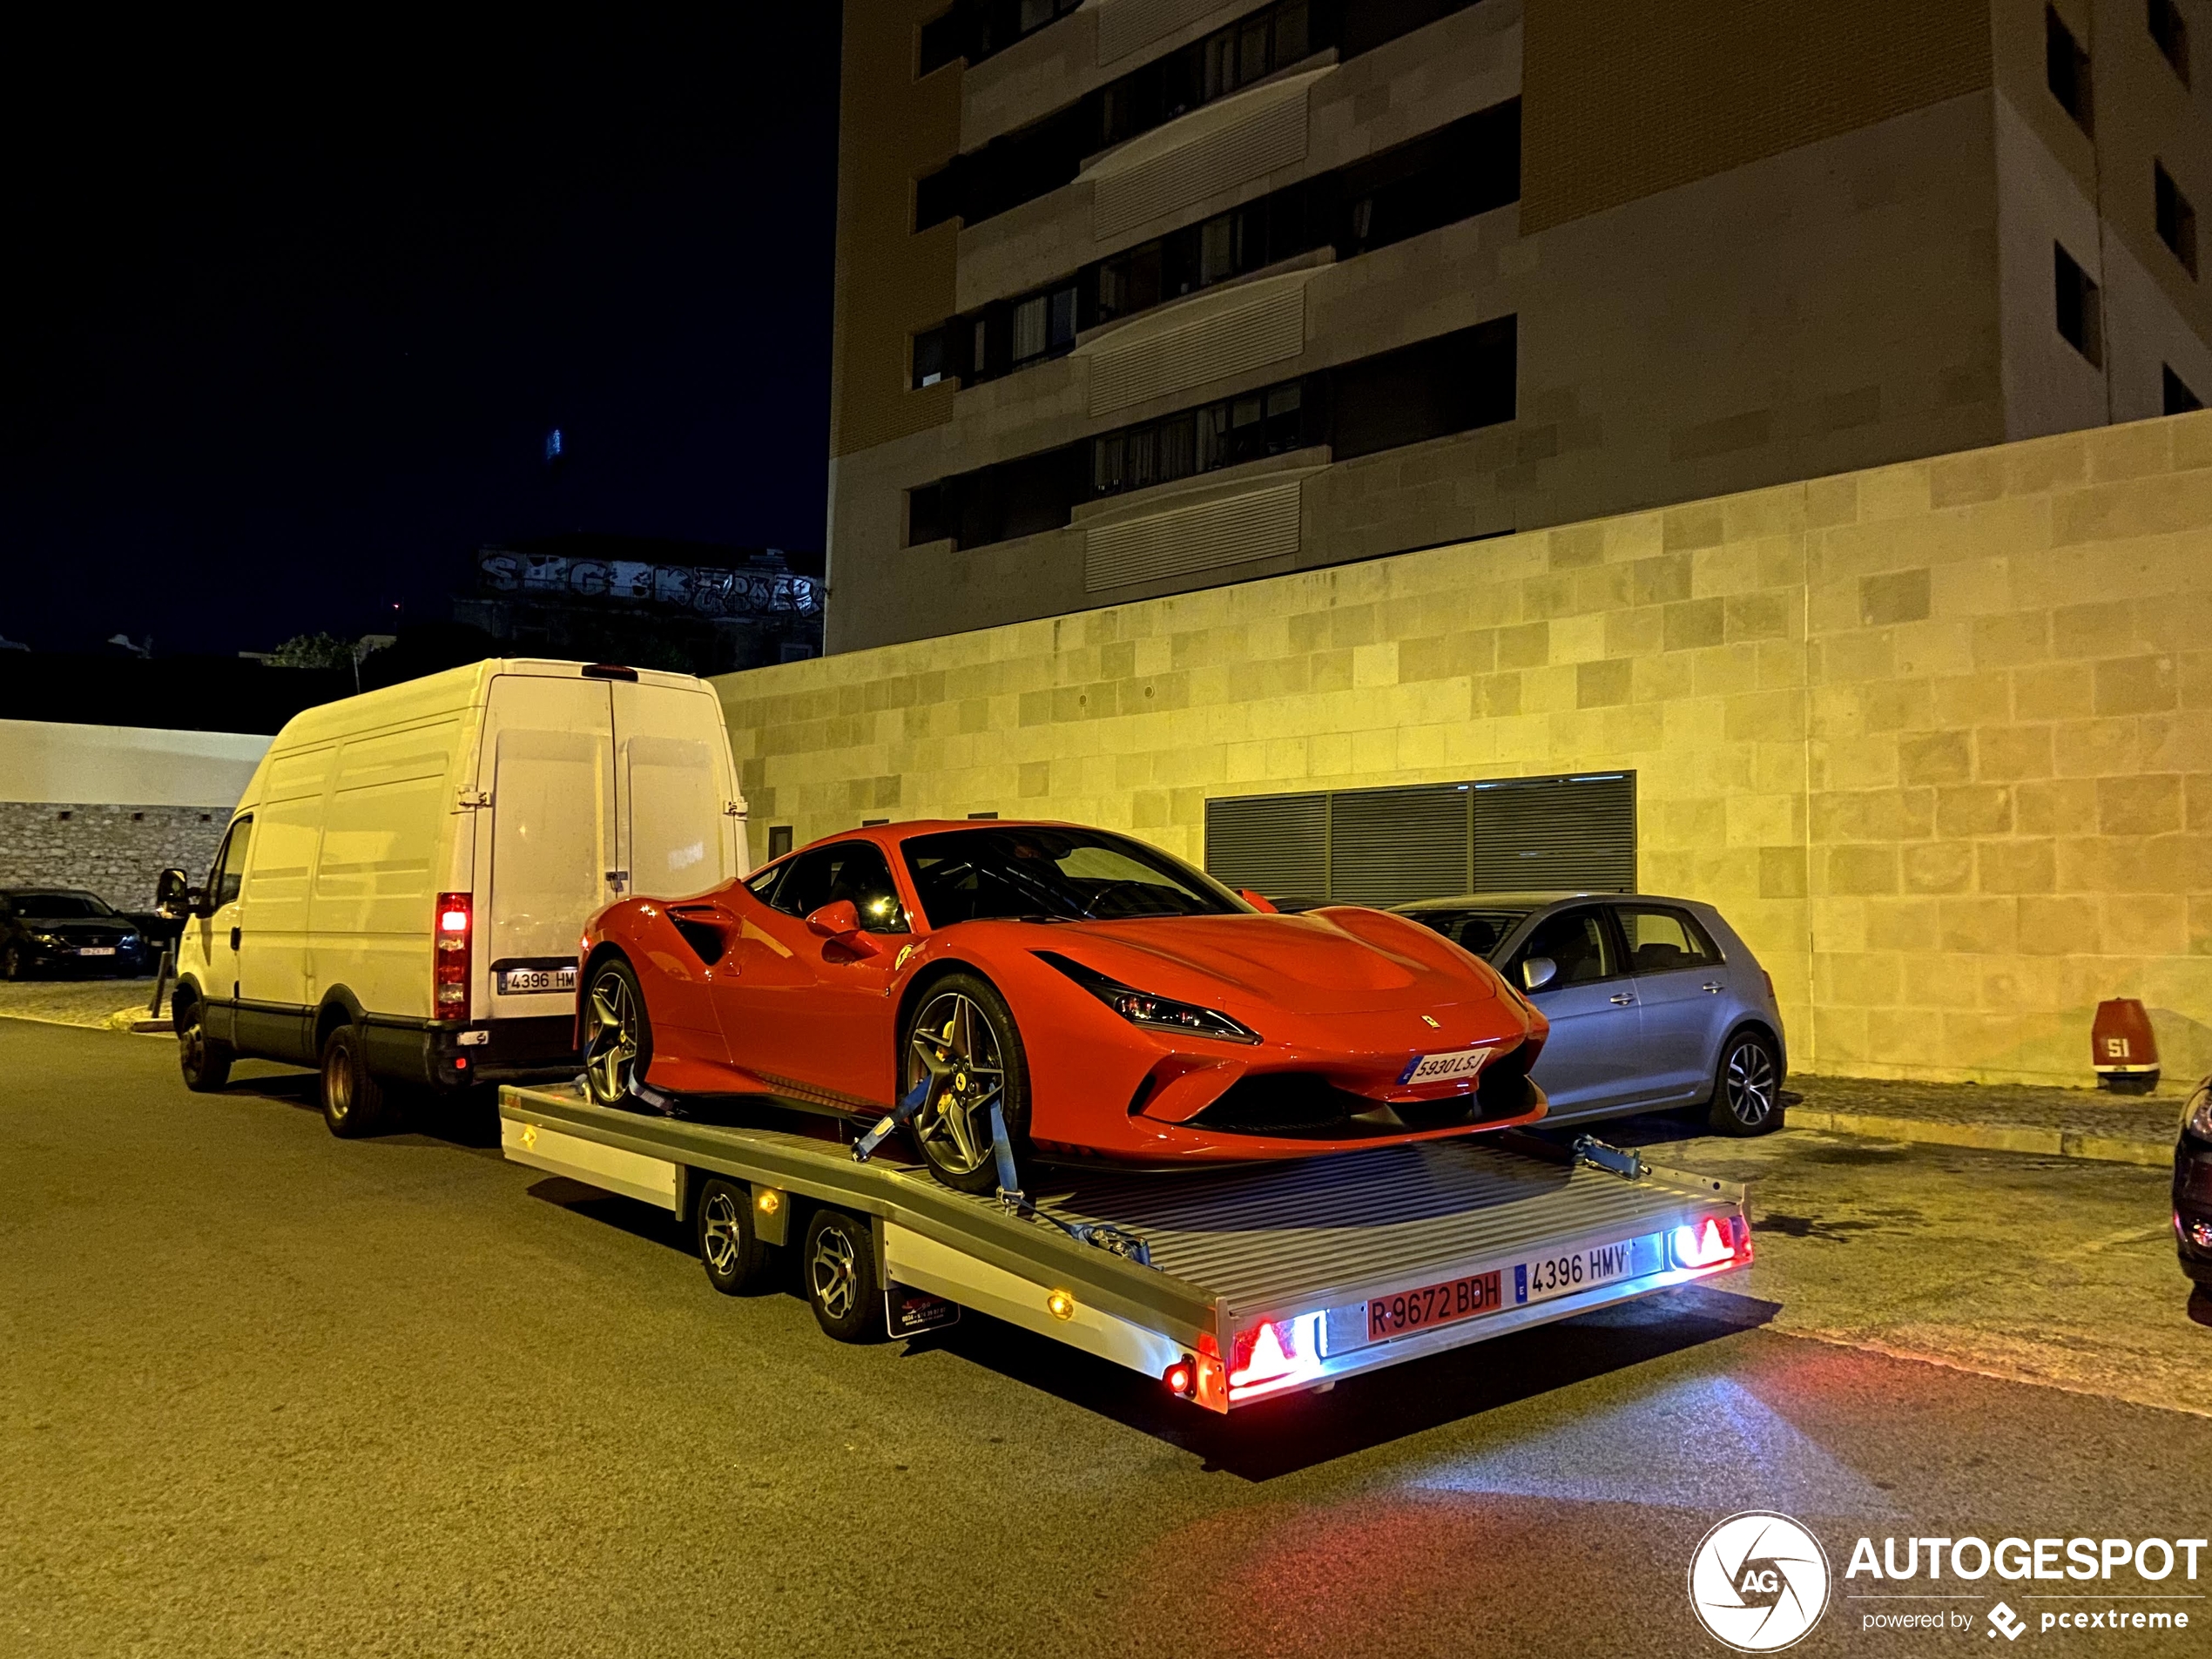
(515, 980)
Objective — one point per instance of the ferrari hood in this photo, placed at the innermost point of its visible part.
(1312, 964)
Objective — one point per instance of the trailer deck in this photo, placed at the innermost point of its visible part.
(1262, 1279)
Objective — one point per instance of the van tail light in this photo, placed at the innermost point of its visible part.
(450, 956)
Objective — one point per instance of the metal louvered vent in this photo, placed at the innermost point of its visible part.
(1392, 846)
(1545, 833)
(1386, 846)
(1277, 844)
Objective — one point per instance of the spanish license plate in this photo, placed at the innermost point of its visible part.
(515, 980)
(1462, 1065)
(95, 950)
(1538, 1279)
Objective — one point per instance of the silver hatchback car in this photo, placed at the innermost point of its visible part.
(1653, 1003)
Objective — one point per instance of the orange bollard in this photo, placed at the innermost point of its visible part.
(2122, 1047)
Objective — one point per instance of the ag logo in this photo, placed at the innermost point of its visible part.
(1758, 1581)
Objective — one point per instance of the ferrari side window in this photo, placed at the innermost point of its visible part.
(763, 885)
(1577, 943)
(851, 870)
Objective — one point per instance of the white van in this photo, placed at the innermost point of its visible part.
(401, 889)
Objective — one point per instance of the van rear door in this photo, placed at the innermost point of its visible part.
(679, 833)
(547, 765)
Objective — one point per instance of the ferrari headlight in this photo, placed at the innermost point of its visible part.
(1153, 1013)
(2197, 1114)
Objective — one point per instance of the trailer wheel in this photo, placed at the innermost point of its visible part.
(838, 1269)
(1747, 1087)
(205, 1062)
(735, 1259)
(963, 1033)
(353, 1100)
(617, 1035)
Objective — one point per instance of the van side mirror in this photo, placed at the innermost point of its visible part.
(171, 894)
(840, 922)
(1538, 972)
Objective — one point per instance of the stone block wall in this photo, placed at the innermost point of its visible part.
(116, 851)
(1937, 736)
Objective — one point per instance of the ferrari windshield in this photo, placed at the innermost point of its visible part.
(1054, 875)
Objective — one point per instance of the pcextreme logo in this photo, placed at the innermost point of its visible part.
(1758, 1581)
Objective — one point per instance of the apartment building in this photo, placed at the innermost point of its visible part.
(1136, 297)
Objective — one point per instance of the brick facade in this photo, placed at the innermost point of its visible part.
(116, 851)
(1937, 736)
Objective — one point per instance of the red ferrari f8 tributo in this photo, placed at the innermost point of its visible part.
(1112, 1001)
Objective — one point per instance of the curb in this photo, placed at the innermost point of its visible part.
(1989, 1137)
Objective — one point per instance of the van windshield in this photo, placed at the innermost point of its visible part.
(1054, 875)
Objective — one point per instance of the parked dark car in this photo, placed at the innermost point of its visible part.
(2192, 1193)
(1655, 1003)
(54, 930)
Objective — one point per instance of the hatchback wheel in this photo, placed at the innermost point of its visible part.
(1747, 1087)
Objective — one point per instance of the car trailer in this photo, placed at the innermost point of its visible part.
(1229, 1285)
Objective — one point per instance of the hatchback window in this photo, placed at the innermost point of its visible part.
(1660, 942)
(58, 907)
(853, 870)
(1479, 931)
(1578, 944)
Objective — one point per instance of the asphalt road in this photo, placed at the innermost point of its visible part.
(264, 1391)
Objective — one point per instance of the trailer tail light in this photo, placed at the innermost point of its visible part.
(1274, 1354)
(1181, 1376)
(451, 955)
(1710, 1242)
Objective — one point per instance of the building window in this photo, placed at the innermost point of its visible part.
(2066, 66)
(1447, 384)
(2080, 307)
(1448, 174)
(2172, 34)
(2179, 399)
(929, 357)
(778, 839)
(975, 29)
(2177, 219)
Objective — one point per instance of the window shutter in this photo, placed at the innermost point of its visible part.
(1390, 846)
(1276, 845)
(1537, 834)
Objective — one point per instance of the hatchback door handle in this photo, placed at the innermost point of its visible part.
(1712, 985)
(1621, 999)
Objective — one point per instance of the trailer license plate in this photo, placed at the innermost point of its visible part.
(1455, 1299)
(512, 980)
(1462, 1065)
(1538, 1279)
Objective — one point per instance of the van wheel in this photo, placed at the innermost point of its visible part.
(353, 1100)
(617, 1035)
(1747, 1088)
(735, 1258)
(838, 1269)
(205, 1062)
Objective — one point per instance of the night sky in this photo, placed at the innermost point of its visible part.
(295, 312)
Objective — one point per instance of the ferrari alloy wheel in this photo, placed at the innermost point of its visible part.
(838, 1267)
(618, 1036)
(961, 1040)
(735, 1259)
(1747, 1092)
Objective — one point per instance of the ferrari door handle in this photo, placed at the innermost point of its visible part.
(1714, 986)
(1621, 999)
(235, 932)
